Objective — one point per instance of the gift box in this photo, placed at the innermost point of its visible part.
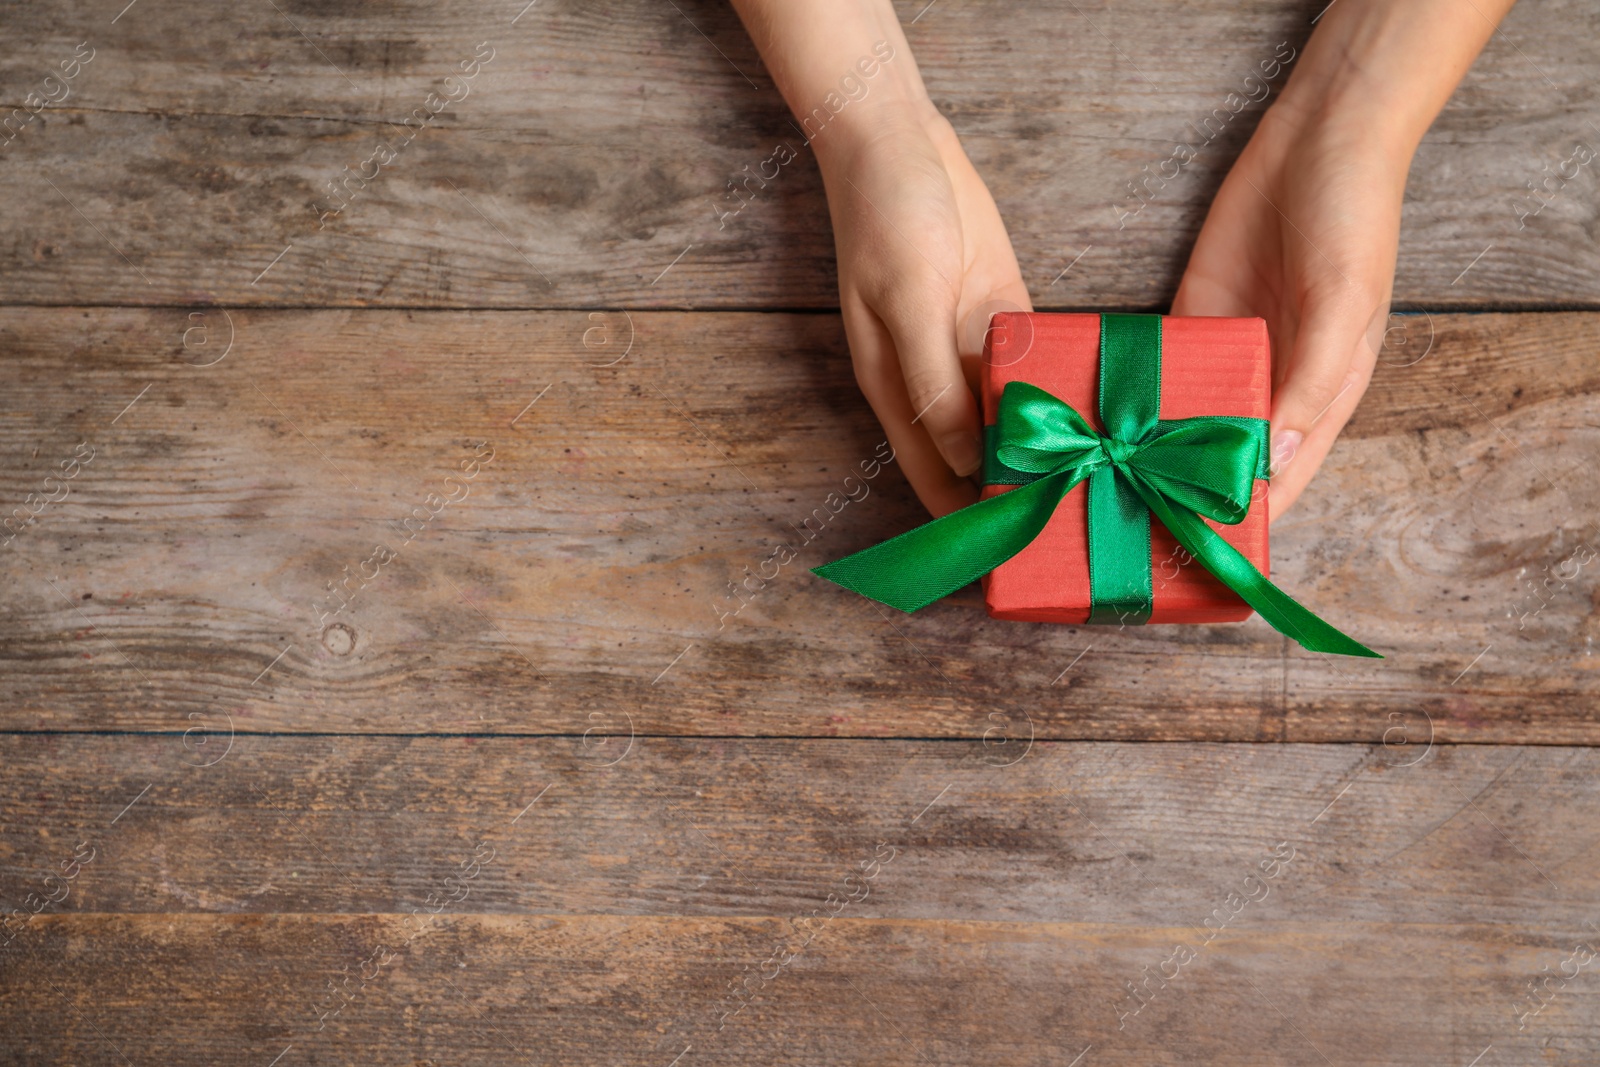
(1207, 367)
(1125, 467)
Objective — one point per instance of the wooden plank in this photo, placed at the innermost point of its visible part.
(589, 162)
(636, 909)
(1113, 833)
(651, 991)
(585, 568)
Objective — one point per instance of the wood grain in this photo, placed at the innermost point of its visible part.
(1115, 833)
(620, 913)
(585, 576)
(596, 148)
(643, 991)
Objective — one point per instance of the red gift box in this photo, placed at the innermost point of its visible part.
(1209, 366)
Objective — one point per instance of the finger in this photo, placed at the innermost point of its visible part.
(1199, 294)
(1232, 256)
(977, 329)
(1329, 365)
(1291, 478)
(878, 373)
(919, 312)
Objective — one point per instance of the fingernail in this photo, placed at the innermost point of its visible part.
(961, 452)
(1284, 445)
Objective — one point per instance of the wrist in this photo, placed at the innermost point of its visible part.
(1361, 74)
(902, 120)
(1346, 106)
(877, 98)
(1347, 101)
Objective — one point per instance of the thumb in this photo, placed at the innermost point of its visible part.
(1329, 362)
(922, 324)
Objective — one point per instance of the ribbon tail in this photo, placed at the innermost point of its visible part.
(913, 570)
(1281, 611)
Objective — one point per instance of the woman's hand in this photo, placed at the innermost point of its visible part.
(923, 261)
(1305, 228)
(1303, 233)
(923, 256)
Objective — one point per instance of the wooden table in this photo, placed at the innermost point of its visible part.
(314, 756)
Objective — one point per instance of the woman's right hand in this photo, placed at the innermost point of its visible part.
(924, 259)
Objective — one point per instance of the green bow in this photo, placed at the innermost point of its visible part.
(1178, 470)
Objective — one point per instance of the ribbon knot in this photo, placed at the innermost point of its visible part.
(1177, 470)
(1117, 451)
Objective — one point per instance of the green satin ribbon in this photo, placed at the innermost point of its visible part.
(1177, 469)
